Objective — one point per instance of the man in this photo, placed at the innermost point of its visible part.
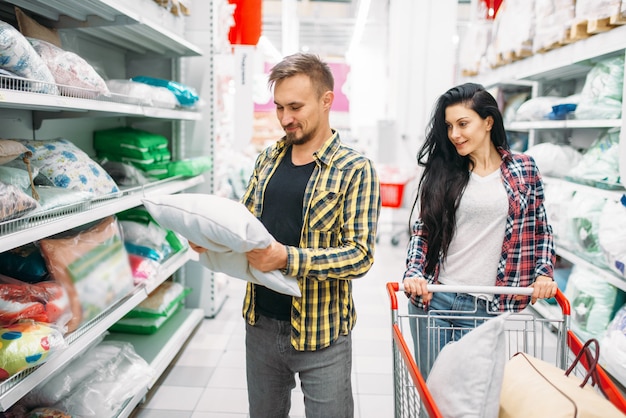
(320, 200)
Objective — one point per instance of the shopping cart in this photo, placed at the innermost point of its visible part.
(391, 195)
(525, 332)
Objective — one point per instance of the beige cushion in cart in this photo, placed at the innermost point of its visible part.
(226, 228)
(466, 378)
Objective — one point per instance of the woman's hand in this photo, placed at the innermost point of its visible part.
(543, 288)
(417, 287)
(197, 248)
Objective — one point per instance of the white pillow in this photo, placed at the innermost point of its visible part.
(226, 228)
(466, 378)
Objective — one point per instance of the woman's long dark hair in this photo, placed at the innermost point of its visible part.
(446, 173)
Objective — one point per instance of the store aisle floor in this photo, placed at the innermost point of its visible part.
(208, 379)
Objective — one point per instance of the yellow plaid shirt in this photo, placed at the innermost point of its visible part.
(341, 207)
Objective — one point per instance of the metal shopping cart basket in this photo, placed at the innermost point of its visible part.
(549, 339)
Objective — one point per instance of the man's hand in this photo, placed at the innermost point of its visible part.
(197, 248)
(267, 259)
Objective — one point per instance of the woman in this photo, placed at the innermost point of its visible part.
(481, 219)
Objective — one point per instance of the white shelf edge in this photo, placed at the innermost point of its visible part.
(564, 124)
(605, 274)
(613, 195)
(53, 104)
(115, 205)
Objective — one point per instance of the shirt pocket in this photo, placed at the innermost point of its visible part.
(325, 211)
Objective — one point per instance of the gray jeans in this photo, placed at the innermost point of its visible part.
(271, 365)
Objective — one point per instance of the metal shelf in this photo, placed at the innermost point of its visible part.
(141, 27)
(604, 273)
(29, 229)
(57, 106)
(613, 195)
(571, 60)
(14, 388)
(564, 124)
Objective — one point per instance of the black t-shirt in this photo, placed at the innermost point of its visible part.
(282, 216)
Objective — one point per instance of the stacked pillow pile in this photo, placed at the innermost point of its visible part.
(35, 54)
(147, 152)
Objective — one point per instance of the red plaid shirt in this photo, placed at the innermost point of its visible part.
(528, 246)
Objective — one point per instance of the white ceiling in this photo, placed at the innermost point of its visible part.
(324, 27)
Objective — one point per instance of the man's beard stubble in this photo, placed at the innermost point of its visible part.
(292, 139)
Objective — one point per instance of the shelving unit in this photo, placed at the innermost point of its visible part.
(136, 38)
(566, 66)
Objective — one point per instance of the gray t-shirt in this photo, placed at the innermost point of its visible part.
(476, 247)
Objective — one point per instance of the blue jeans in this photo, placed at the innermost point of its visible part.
(271, 365)
(432, 330)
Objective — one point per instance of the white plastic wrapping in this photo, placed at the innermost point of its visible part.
(612, 235)
(601, 96)
(554, 160)
(96, 384)
(552, 20)
(592, 300)
(596, 9)
(613, 343)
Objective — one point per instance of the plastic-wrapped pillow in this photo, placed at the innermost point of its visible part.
(15, 176)
(593, 301)
(132, 143)
(75, 76)
(613, 343)
(139, 93)
(611, 236)
(18, 56)
(27, 344)
(96, 384)
(65, 165)
(185, 95)
(14, 202)
(24, 263)
(93, 267)
(554, 159)
(581, 227)
(45, 302)
(558, 201)
(54, 199)
(147, 240)
(144, 94)
(599, 165)
(536, 109)
(601, 96)
(161, 302)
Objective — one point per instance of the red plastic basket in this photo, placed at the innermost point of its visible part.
(391, 194)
